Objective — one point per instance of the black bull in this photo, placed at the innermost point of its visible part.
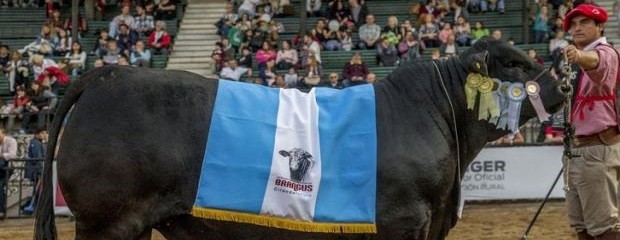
(132, 150)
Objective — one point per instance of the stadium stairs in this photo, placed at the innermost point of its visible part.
(196, 37)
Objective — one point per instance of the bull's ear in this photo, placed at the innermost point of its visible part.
(477, 63)
(284, 153)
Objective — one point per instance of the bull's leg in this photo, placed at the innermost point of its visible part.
(186, 227)
(410, 225)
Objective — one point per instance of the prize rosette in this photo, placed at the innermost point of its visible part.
(533, 91)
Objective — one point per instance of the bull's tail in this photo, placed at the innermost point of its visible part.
(45, 228)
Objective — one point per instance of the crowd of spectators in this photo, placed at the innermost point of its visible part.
(249, 29)
(37, 71)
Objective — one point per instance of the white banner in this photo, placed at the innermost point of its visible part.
(507, 173)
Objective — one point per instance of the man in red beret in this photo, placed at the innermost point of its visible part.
(592, 177)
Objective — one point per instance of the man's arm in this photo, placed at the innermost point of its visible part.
(585, 59)
(11, 147)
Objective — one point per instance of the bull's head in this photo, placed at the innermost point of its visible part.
(300, 163)
(501, 60)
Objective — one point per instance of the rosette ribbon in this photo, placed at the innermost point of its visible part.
(533, 91)
(471, 88)
(516, 95)
(488, 106)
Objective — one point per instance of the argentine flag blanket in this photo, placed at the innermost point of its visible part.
(287, 159)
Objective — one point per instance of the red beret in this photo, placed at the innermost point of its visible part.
(596, 13)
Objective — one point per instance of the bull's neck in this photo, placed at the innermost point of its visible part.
(472, 134)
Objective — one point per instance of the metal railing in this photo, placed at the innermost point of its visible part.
(16, 187)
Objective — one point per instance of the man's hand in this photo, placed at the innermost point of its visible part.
(572, 53)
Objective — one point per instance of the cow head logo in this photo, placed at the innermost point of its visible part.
(299, 162)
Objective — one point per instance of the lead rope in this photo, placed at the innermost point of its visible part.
(456, 130)
(566, 88)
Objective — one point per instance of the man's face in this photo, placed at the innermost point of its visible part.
(584, 30)
(42, 136)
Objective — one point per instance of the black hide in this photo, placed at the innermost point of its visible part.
(133, 146)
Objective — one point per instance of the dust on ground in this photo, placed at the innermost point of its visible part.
(488, 221)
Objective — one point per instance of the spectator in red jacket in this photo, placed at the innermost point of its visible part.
(355, 71)
(159, 40)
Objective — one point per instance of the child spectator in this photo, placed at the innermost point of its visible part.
(268, 74)
(354, 71)
(387, 54)
(140, 57)
(479, 31)
(291, 78)
(76, 59)
(102, 42)
(246, 58)
(463, 32)
(346, 43)
(126, 39)
(334, 81)
(112, 53)
(62, 43)
(280, 82)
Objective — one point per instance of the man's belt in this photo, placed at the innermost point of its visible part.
(608, 137)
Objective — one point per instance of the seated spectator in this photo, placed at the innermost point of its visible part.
(313, 8)
(532, 54)
(332, 41)
(510, 41)
(387, 54)
(165, 10)
(279, 83)
(479, 31)
(159, 41)
(429, 32)
(102, 42)
(246, 22)
(429, 8)
(540, 26)
(496, 35)
(20, 101)
(236, 36)
(334, 81)
(256, 39)
(143, 23)
(125, 17)
(126, 39)
(449, 48)
(82, 26)
(43, 42)
(122, 61)
(111, 54)
(18, 70)
(286, 57)
(312, 49)
(140, 57)
(371, 78)
(557, 25)
(492, 5)
(62, 43)
(291, 78)
(249, 7)
(406, 27)
(313, 72)
(227, 49)
(233, 71)
(218, 57)
(4, 56)
(392, 31)
(463, 32)
(344, 37)
(265, 54)
(273, 35)
(446, 30)
(473, 6)
(47, 72)
(76, 59)
(339, 13)
(245, 60)
(320, 31)
(358, 12)
(409, 48)
(228, 19)
(268, 73)
(370, 33)
(55, 21)
(354, 71)
(42, 102)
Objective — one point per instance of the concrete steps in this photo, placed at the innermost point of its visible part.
(197, 36)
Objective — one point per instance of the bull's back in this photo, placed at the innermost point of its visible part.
(135, 138)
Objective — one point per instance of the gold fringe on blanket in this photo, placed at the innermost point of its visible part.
(276, 222)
